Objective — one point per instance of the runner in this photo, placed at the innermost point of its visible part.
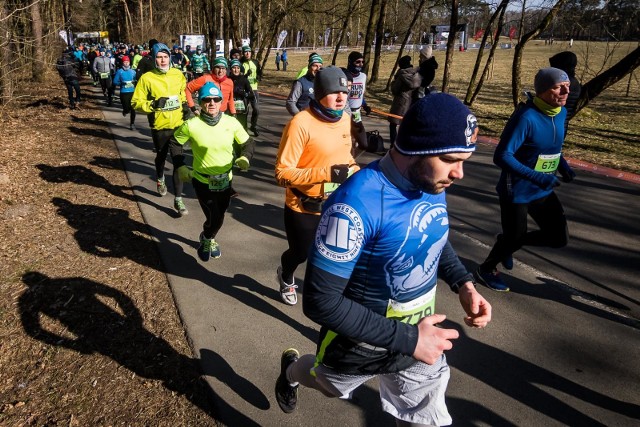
(242, 92)
(372, 272)
(103, 67)
(68, 69)
(302, 89)
(252, 70)
(314, 156)
(125, 79)
(218, 76)
(529, 154)
(199, 63)
(215, 139)
(160, 94)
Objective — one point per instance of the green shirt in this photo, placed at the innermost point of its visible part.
(212, 146)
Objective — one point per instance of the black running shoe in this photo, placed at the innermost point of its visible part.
(286, 394)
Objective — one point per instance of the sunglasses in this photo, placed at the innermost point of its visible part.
(210, 100)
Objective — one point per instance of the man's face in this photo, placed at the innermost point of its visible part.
(162, 60)
(219, 71)
(198, 51)
(211, 105)
(235, 56)
(247, 54)
(335, 101)
(315, 67)
(125, 63)
(557, 95)
(433, 174)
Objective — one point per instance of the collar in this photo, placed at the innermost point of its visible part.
(391, 172)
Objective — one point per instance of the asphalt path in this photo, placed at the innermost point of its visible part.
(563, 347)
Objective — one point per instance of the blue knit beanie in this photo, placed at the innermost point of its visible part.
(209, 90)
(438, 123)
(548, 78)
(160, 47)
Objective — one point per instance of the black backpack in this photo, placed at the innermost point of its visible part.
(375, 142)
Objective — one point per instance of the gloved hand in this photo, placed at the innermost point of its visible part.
(243, 163)
(366, 109)
(185, 174)
(339, 173)
(549, 181)
(567, 174)
(249, 72)
(159, 103)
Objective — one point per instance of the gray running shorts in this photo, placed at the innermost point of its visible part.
(415, 395)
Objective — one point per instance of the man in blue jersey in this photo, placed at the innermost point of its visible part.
(371, 275)
(529, 154)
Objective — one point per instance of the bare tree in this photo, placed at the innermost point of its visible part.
(451, 43)
(37, 69)
(6, 85)
(498, 15)
(516, 68)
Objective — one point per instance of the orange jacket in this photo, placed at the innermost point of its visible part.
(225, 85)
(308, 149)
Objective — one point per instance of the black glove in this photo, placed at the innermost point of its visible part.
(158, 104)
(366, 109)
(249, 72)
(567, 174)
(194, 109)
(339, 173)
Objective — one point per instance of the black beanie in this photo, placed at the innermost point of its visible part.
(566, 61)
(404, 62)
(354, 56)
(328, 80)
(152, 43)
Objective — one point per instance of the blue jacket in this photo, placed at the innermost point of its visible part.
(126, 79)
(529, 153)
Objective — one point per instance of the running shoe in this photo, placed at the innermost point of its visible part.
(162, 187)
(204, 251)
(507, 262)
(132, 126)
(215, 249)
(491, 280)
(287, 291)
(287, 394)
(254, 130)
(180, 207)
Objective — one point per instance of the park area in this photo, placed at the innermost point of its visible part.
(606, 132)
(53, 376)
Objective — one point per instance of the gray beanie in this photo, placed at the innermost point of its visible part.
(328, 80)
(548, 78)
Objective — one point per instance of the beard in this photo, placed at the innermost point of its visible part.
(418, 176)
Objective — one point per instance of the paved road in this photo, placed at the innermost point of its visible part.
(563, 348)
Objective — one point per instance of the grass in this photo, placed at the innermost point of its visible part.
(607, 132)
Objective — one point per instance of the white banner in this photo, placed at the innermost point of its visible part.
(63, 34)
(299, 38)
(281, 37)
(327, 33)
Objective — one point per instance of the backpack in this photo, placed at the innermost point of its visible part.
(375, 142)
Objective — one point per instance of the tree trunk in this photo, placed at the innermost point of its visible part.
(37, 68)
(598, 84)
(379, 37)
(472, 92)
(233, 27)
(451, 44)
(343, 30)
(416, 15)
(516, 69)
(374, 17)
(6, 85)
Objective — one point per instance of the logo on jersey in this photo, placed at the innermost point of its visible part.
(416, 262)
(340, 233)
(357, 90)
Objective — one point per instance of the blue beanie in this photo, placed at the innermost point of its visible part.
(209, 90)
(160, 47)
(438, 123)
(548, 78)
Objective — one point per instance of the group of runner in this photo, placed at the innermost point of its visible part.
(376, 238)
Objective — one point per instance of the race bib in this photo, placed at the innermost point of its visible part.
(356, 115)
(127, 85)
(412, 311)
(547, 163)
(105, 75)
(173, 103)
(219, 182)
(199, 70)
(239, 105)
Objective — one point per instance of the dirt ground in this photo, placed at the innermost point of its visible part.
(89, 333)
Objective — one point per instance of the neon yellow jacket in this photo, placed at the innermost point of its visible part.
(154, 85)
